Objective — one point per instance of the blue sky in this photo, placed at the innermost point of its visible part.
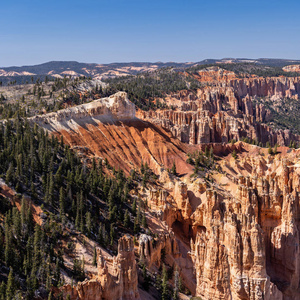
(106, 31)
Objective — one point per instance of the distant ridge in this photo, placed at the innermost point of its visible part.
(102, 71)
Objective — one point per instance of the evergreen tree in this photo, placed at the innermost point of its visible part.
(57, 273)
(270, 150)
(136, 227)
(206, 152)
(95, 257)
(2, 291)
(10, 174)
(176, 285)
(112, 234)
(9, 250)
(126, 219)
(50, 296)
(61, 201)
(100, 234)
(164, 284)
(144, 221)
(88, 223)
(133, 207)
(173, 169)
(234, 154)
(11, 285)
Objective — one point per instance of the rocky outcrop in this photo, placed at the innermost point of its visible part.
(114, 108)
(205, 127)
(271, 87)
(243, 226)
(246, 242)
(291, 68)
(227, 111)
(107, 128)
(150, 249)
(119, 283)
(233, 234)
(214, 73)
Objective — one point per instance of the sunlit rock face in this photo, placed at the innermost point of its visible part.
(119, 281)
(226, 110)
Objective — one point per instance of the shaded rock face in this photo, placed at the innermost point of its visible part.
(119, 283)
(150, 250)
(245, 235)
(227, 111)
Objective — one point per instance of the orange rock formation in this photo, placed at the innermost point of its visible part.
(233, 232)
(120, 282)
(227, 111)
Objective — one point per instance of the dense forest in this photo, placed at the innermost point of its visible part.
(74, 196)
(246, 69)
(144, 88)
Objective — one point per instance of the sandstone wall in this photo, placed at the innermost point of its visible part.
(226, 111)
(121, 283)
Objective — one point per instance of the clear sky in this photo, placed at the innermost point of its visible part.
(104, 31)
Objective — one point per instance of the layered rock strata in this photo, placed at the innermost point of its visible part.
(227, 110)
(107, 128)
(243, 228)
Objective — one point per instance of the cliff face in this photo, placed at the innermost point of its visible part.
(232, 231)
(243, 228)
(227, 110)
(114, 108)
(118, 282)
(107, 128)
(211, 74)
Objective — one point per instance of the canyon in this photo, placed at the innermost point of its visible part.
(230, 230)
(226, 110)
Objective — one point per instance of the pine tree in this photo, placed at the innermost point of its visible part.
(206, 152)
(234, 154)
(144, 221)
(8, 252)
(133, 207)
(61, 201)
(126, 219)
(136, 227)
(95, 257)
(211, 152)
(100, 235)
(11, 286)
(270, 151)
(83, 266)
(50, 296)
(10, 174)
(51, 189)
(37, 247)
(3, 291)
(88, 223)
(176, 285)
(173, 169)
(164, 284)
(57, 272)
(112, 234)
